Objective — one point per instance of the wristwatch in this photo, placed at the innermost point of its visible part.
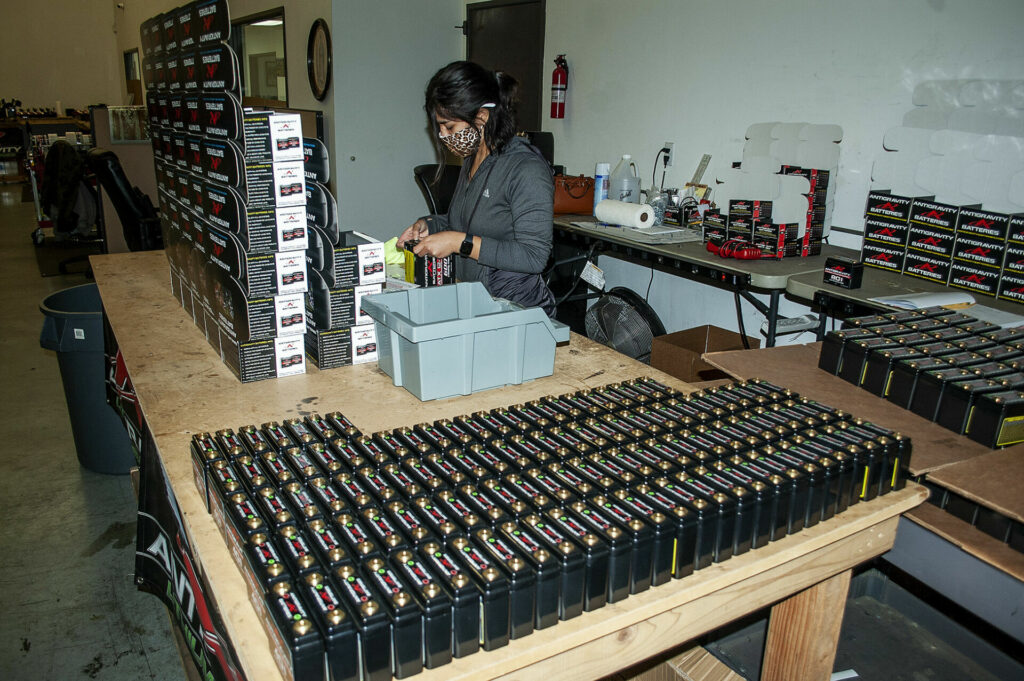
(466, 249)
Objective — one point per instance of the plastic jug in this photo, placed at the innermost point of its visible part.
(624, 183)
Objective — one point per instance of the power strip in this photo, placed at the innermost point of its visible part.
(792, 325)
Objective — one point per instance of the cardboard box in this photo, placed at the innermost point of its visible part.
(979, 250)
(938, 242)
(342, 347)
(885, 205)
(935, 215)
(925, 266)
(893, 233)
(679, 353)
(976, 279)
(1011, 287)
(883, 256)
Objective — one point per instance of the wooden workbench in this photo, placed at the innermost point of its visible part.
(183, 388)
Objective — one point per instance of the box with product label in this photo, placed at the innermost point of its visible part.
(892, 233)
(882, 256)
(777, 240)
(245, 319)
(330, 308)
(740, 227)
(260, 360)
(1011, 287)
(980, 250)
(984, 223)
(974, 278)
(355, 260)
(322, 211)
(1013, 261)
(260, 275)
(938, 242)
(274, 230)
(342, 347)
(750, 208)
(884, 205)
(935, 215)
(1015, 229)
(925, 266)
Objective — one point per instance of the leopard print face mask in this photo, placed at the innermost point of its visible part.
(462, 143)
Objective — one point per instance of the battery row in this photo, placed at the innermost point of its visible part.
(372, 556)
(964, 374)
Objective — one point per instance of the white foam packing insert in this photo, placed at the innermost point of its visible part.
(993, 92)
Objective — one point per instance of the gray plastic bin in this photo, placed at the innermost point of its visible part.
(456, 340)
(73, 326)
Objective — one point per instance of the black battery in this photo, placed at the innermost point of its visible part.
(522, 581)
(839, 466)
(482, 456)
(494, 424)
(435, 518)
(435, 607)
(904, 378)
(299, 432)
(265, 561)
(670, 452)
(371, 620)
(1002, 353)
(383, 529)
(746, 506)
(405, 615)
(830, 359)
(254, 440)
(715, 514)
(511, 419)
(978, 327)
(455, 508)
(541, 563)
(398, 478)
(687, 521)
(595, 552)
(965, 359)
(568, 556)
(1004, 335)
(843, 272)
(549, 445)
(372, 450)
(327, 543)
(565, 473)
(273, 507)
(276, 436)
(931, 385)
(244, 515)
(505, 452)
(408, 521)
(322, 428)
(275, 468)
(681, 411)
(781, 493)
(356, 537)
(653, 412)
(871, 460)
(549, 487)
(640, 531)
(799, 485)
(423, 475)
(523, 447)
(476, 428)
(997, 419)
(220, 478)
(342, 425)
(951, 334)
(764, 502)
(493, 584)
(294, 637)
(512, 505)
(483, 504)
(902, 449)
(390, 443)
(959, 398)
(568, 438)
(324, 458)
(299, 497)
(528, 491)
(463, 594)
(353, 489)
(346, 453)
(230, 444)
(432, 436)
(617, 541)
(818, 482)
(328, 497)
(296, 550)
(620, 467)
(376, 484)
(571, 412)
(415, 442)
(535, 418)
(336, 623)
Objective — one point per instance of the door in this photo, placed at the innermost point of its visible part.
(508, 35)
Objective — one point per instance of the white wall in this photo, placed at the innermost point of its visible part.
(384, 53)
(63, 51)
(698, 73)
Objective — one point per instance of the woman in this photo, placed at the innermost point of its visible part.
(499, 219)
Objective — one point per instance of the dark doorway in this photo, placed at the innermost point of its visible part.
(508, 35)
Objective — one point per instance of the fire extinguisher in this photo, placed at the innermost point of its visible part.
(559, 85)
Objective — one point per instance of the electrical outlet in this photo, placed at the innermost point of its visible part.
(668, 154)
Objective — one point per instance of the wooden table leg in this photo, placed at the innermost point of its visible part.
(803, 632)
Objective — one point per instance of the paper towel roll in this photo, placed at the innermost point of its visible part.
(625, 214)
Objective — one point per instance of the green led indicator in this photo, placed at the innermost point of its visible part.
(380, 571)
(319, 587)
(296, 617)
(492, 540)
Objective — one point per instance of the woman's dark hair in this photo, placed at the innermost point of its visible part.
(459, 90)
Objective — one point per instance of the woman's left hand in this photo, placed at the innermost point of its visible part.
(440, 244)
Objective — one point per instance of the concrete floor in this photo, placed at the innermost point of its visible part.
(69, 602)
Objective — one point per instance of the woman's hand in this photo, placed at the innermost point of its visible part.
(440, 244)
(416, 231)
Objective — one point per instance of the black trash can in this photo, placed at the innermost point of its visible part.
(73, 326)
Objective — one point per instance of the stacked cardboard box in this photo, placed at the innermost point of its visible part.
(232, 195)
(965, 247)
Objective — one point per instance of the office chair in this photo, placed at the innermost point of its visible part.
(139, 219)
(438, 196)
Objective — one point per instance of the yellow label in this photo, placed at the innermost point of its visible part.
(970, 415)
(864, 487)
(1011, 431)
(863, 373)
(675, 545)
(895, 470)
(888, 384)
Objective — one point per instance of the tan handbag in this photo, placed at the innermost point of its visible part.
(574, 194)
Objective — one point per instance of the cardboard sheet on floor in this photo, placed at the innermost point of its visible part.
(994, 480)
(796, 367)
(970, 539)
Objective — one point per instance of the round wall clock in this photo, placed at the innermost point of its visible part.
(318, 59)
